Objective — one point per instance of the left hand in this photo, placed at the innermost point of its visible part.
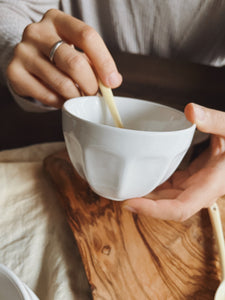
(73, 73)
(197, 187)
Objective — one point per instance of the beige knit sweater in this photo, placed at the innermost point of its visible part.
(192, 30)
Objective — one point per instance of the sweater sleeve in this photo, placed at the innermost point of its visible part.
(15, 15)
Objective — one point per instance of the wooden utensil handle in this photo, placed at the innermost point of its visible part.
(218, 231)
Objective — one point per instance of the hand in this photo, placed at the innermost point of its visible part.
(197, 187)
(31, 73)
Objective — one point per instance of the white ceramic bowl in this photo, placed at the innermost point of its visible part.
(12, 288)
(124, 163)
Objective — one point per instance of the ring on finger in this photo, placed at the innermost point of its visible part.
(53, 50)
(55, 47)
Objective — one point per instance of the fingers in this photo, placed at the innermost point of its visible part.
(165, 209)
(180, 203)
(77, 67)
(87, 39)
(25, 84)
(207, 120)
(41, 72)
(178, 209)
(73, 71)
(71, 62)
(54, 78)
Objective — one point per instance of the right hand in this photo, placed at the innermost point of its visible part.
(31, 74)
(199, 185)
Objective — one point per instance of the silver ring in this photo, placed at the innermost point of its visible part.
(53, 50)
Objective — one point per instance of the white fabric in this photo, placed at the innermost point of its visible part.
(191, 30)
(35, 240)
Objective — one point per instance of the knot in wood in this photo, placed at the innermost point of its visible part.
(106, 250)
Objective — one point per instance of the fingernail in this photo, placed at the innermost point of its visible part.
(131, 209)
(199, 112)
(114, 79)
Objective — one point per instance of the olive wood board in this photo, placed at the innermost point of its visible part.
(130, 256)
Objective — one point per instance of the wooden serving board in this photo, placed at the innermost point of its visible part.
(128, 256)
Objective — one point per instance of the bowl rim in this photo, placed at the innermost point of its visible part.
(134, 131)
(19, 286)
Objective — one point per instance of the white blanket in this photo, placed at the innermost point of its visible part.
(36, 242)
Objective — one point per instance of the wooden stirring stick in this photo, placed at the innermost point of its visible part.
(109, 99)
(215, 218)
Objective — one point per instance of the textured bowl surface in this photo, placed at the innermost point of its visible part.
(124, 163)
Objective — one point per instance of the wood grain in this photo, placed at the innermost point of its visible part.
(128, 256)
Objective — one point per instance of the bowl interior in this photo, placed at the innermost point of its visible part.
(135, 114)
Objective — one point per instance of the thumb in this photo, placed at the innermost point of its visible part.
(206, 119)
